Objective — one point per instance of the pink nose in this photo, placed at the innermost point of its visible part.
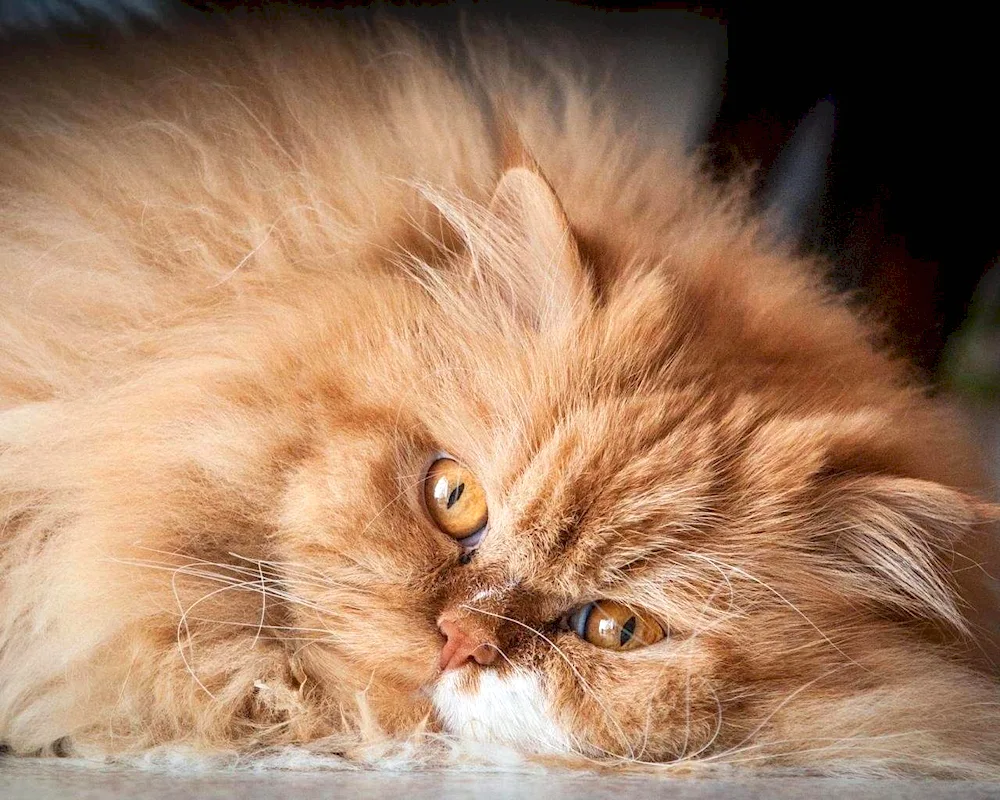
(461, 648)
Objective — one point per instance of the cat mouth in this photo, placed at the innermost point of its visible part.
(511, 709)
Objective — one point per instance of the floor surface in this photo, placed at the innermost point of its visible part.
(53, 779)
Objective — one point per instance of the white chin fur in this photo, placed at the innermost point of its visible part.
(511, 710)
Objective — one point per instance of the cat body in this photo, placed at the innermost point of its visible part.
(257, 279)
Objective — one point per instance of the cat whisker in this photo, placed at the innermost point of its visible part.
(272, 567)
(743, 573)
(192, 568)
(229, 582)
(699, 630)
(389, 505)
(785, 701)
(281, 567)
(266, 626)
(183, 626)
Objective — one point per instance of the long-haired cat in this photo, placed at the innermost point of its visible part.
(343, 395)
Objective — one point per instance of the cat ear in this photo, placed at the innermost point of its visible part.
(898, 542)
(875, 532)
(544, 271)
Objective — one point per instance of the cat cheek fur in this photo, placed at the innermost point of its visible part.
(376, 564)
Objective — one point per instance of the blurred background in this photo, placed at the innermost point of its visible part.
(871, 134)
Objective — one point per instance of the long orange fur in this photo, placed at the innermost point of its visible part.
(254, 276)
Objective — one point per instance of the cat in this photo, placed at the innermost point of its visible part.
(345, 397)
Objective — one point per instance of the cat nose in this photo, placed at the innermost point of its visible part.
(462, 648)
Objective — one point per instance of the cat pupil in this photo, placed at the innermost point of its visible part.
(627, 630)
(456, 493)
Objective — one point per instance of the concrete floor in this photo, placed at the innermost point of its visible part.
(56, 779)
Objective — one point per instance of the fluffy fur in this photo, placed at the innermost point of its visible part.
(254, 276)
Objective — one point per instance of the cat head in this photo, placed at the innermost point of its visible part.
(612, 516)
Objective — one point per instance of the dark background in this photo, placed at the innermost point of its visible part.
(909, 212)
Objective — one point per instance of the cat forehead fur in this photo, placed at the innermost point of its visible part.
(276, 270)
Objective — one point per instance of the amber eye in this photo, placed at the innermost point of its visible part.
(615, 626)
(455, 499)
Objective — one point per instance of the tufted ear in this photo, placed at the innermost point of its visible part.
(541, 258)
(873, 513)
(899, 542)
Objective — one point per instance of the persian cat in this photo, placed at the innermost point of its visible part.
(349, 396)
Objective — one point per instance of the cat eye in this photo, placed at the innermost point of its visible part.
(615, 626)
(455, 500)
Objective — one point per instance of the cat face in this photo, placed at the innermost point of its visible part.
(585, 513)
(539, 521)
